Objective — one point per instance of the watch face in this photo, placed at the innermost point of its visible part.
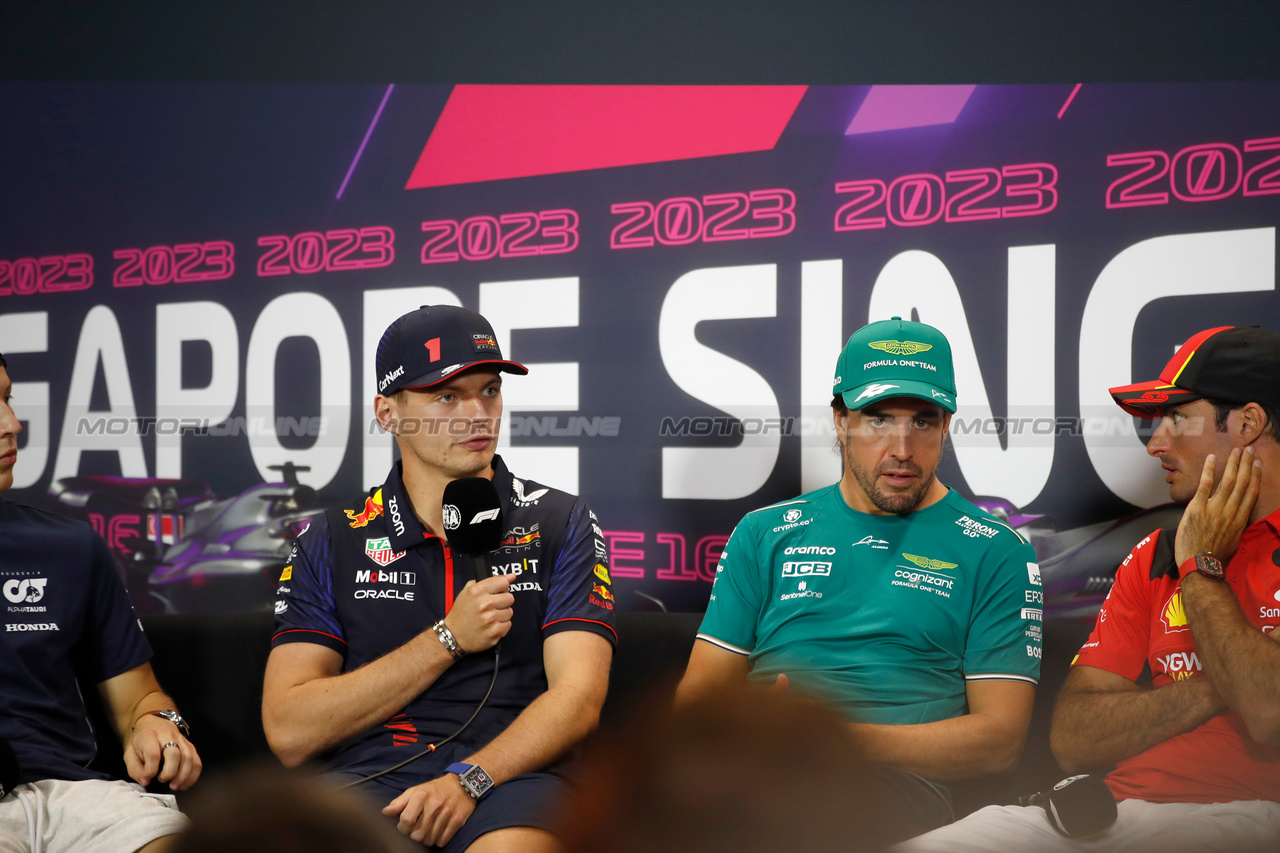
(477, 780)
(1207, 564)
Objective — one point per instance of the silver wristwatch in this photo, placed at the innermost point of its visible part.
(173, 717)
(473, 779)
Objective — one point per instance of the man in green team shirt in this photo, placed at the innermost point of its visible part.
(888, 595)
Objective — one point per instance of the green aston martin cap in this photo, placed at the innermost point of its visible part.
(896, 358)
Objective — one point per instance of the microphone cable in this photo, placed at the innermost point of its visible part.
(497, 655)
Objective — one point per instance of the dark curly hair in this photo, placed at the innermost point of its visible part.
(1222, 409)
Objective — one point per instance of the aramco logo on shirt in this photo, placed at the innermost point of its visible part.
(1174, 616)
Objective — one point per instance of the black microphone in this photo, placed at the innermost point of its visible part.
(473, 521)
(9, 770)
(1077, 806)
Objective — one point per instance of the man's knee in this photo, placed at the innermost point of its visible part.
(516, 839)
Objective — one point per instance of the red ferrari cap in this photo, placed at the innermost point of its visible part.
(1234, 363)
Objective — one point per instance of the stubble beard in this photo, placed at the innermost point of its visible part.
(898, 502)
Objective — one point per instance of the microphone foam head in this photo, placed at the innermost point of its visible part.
(472, 515)
(1081, 805)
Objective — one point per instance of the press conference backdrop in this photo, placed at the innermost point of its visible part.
(193, 278)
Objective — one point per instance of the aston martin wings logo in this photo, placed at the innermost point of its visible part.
(900, 347)
(930, 564)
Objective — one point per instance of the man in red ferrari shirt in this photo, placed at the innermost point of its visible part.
(1197, 754)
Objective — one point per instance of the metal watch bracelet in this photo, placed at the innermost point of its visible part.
(446, 638)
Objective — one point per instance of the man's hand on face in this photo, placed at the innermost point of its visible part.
(1215, 519)
(432, 812)
(481, 614)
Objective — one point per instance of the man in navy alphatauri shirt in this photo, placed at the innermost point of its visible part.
(68, 622)
(384, 639)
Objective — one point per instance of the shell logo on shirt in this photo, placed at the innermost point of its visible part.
(1174, 616)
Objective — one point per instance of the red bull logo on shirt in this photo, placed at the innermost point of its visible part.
(600, 596)
(372, 509)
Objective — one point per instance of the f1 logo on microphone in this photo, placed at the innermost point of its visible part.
(487, 515)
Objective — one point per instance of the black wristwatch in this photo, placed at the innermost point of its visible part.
(1208, 565)
(473, 779)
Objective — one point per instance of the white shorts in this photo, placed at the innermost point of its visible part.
(1245, 825)
(54, 815)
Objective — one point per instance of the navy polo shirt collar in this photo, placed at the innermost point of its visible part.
(403, 527)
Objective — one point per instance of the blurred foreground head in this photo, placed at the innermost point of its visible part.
(745, 771)
(263, 808)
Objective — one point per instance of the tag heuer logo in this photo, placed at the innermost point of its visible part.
(380, 551)
(900, 347)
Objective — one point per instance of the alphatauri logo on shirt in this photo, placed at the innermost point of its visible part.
(25, 591)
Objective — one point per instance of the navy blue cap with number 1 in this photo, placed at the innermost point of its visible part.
(427, 346)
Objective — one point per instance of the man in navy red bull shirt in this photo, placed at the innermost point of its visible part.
(383, 637)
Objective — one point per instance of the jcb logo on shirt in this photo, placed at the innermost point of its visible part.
(791, 570)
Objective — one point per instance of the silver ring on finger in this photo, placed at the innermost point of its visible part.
(167, 745)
